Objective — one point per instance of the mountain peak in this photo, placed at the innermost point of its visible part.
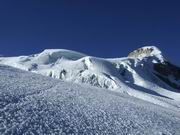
(146, 51)
(62, 52)
(55, 54)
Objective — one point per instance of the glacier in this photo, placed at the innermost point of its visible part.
(145, 73)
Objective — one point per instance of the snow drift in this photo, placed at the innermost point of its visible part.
(35, 104)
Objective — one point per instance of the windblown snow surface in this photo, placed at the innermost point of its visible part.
(35, 104)
(81, 94)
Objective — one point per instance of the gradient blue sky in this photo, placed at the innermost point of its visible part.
(104, 28)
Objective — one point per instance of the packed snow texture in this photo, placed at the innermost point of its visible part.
(35, 104)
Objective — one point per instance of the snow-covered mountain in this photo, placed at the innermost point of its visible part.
(137, 94)
(144, 70)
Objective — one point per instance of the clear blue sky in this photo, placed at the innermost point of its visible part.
(104, 28)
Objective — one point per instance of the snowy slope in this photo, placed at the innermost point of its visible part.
(144, 74)
(35, 104)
